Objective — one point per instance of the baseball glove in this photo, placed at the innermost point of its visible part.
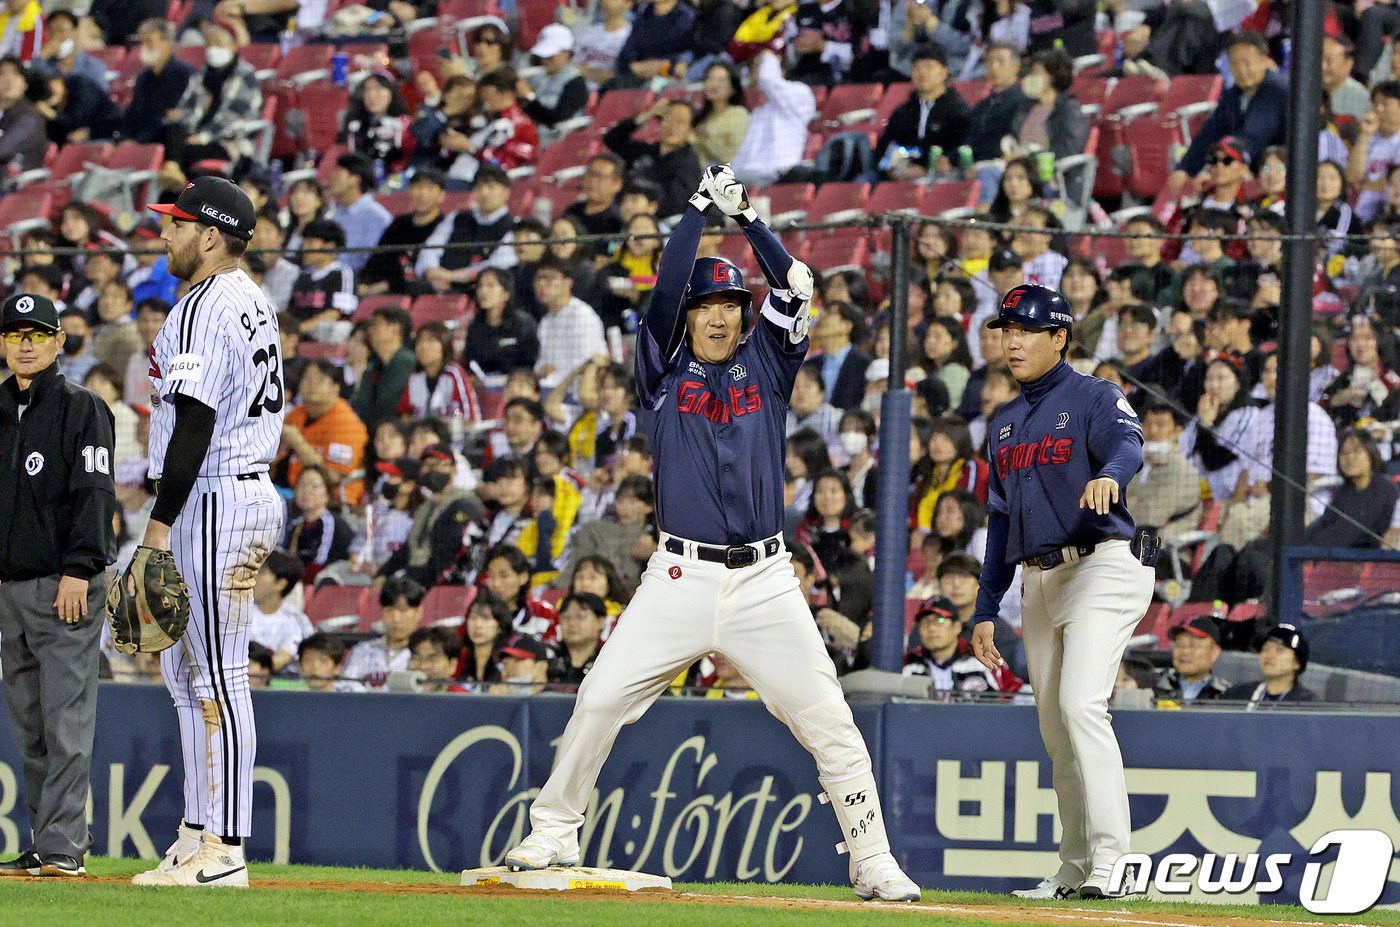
(149, 605)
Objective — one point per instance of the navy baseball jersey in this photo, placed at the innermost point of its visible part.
(1045, 445)
(719, 430)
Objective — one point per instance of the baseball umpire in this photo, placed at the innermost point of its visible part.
(1061, 456)
(52, 581)
(720, 579)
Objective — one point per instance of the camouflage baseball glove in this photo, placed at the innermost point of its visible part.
(149, 606)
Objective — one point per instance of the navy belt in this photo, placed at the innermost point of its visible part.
(735, 557)
(1056, 557)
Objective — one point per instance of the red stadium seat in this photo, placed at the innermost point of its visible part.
(838, 201)
(1136, 91)
(846, 100)
(1322, 576)
(369, 613)
(973, 91)
(789, 202)
(1150, 144)
(302, 65)
(1154, 622)
(895, 97)
(1090, 89)
(193, 55)
(263, 56)
(534, 16)
(1188, 90)
(617, 105)
(568, 157)
(112, 56)
(837, 252)
(492, 402)
(139, 163)
(449, 308)
(951, 194)
(366, 56)
(443, 603)
(322, 104)
(896, 197)
(329, 602)
(370, 303)
(72, 158)
(23, 210)
(1248, 611)
(320, 350)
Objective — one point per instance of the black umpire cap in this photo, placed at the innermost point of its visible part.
(214, 201)
(24, 309)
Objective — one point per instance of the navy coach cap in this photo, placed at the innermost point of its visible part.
(214, 201)
(25, 309)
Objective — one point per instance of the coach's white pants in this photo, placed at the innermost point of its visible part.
(1076, 620)
(219, 540)
(757, 618)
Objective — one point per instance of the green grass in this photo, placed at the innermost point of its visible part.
(37, 903)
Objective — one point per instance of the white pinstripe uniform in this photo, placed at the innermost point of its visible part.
(220, 346)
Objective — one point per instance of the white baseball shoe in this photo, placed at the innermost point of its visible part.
(216, 865)
(186, 845)
(1096, 887)
(540, 851)
(1048, 889)
(880, 877)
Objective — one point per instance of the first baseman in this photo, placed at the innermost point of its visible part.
(1061, 454)
(219, 403)
(721, 579)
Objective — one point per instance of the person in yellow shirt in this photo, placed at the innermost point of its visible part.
(555, 502)
(323, 429)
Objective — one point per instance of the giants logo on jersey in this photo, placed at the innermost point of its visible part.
(1046, 452)
(696, 399)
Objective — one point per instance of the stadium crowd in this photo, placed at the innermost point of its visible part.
(460, 235)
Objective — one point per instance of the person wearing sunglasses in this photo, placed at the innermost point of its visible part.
(58, 438)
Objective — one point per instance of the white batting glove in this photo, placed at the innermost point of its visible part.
(700, 199)
(728, 193)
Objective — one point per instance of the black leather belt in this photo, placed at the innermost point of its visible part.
(736, 557)
(1056, 557)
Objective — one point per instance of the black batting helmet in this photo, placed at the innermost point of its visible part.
(1034, 306)
(716, 275)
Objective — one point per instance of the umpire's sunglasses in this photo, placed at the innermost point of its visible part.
(35, 338)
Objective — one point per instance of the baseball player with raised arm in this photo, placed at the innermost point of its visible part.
(1061, 455)
(216, 422)
(721, 579)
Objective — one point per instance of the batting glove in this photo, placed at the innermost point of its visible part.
(701, 198)
(728, 193)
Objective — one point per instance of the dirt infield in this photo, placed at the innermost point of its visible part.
(1070, 914)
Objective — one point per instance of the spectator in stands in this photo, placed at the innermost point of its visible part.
(259, 666)
(1134, 673)
(723, 118)
(1346, 95)
(659, 44)
(501, 134)
(582, 617)
(317, 535)
(1063, 24)
(913, 27)
(957, 582)
(222, 93)
(946, 658)
(435, 652)
(1334, 215)
(1137, 329)
(570, 332)
(1053, 121)
(75, 108)
(669, 162)
(808, 408)
(639, 197)
(1004, 21)
(62, 52)
(561, 92)
(1370, 388)
(320, 659)
(825, 528)
(580, 257)
(322, 430)
(115, 337)
(598, 45)
(1195, 648)
(471, 240)
(1224, 416)
(933, 116)
(265, 263)
(857, 440)
(1016, 192)
(449, 107)
(621, 541)
(506, 486)
(958, 521)
(77, 358)
(925, 585)
(952, 463)
(1168, 492)
(843, 365)
(597, 211)
(272, 622)
(104, 380)
(625, 285)
(777, 134)
(1253, 110)
(807, 456)
(23, 133)
(523, 425)
(993, 115)
(1361, 511)
(1146, 250)
(597, 575)
(377, 124)
(486, 628)
(1040, 262)
(488, 49)
(136, 384)
(944, 355)
(506, 573)
(401, 608)
(1376, 150)
(500, 337)
(324, 294)
(390, 363)
(394, 500)
(155, 100)
(355, 210)
(436, 536)
(306, 202)
(525, 663)
(1283, 658)
(438, 386)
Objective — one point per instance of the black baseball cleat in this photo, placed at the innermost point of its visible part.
(26, 864)
(56, 864)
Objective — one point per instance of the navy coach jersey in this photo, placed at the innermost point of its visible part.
(719, 430)
(1045, 445)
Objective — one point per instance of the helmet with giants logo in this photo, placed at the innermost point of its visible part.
(716, 275)
(1034, 306)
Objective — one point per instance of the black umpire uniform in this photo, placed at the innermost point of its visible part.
(57, 500)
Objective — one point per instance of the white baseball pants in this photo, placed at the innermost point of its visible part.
(1076, 621)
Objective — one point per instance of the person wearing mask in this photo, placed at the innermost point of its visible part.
(155, 100)
(78, 357)
(52, 582)
(1054, 121)
(223, 93)
(62, 54)
(435, 538)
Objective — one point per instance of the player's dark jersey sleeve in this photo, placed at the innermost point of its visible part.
(663, 327)
(1115, 436)
(91, 492)
(997, 574)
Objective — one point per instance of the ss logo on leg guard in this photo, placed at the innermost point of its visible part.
(855, 798)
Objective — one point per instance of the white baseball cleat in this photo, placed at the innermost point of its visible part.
(1048, 889)
(880, 877)
(216, 865)
(186, 845)
(540, 851)
(1096, 886)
